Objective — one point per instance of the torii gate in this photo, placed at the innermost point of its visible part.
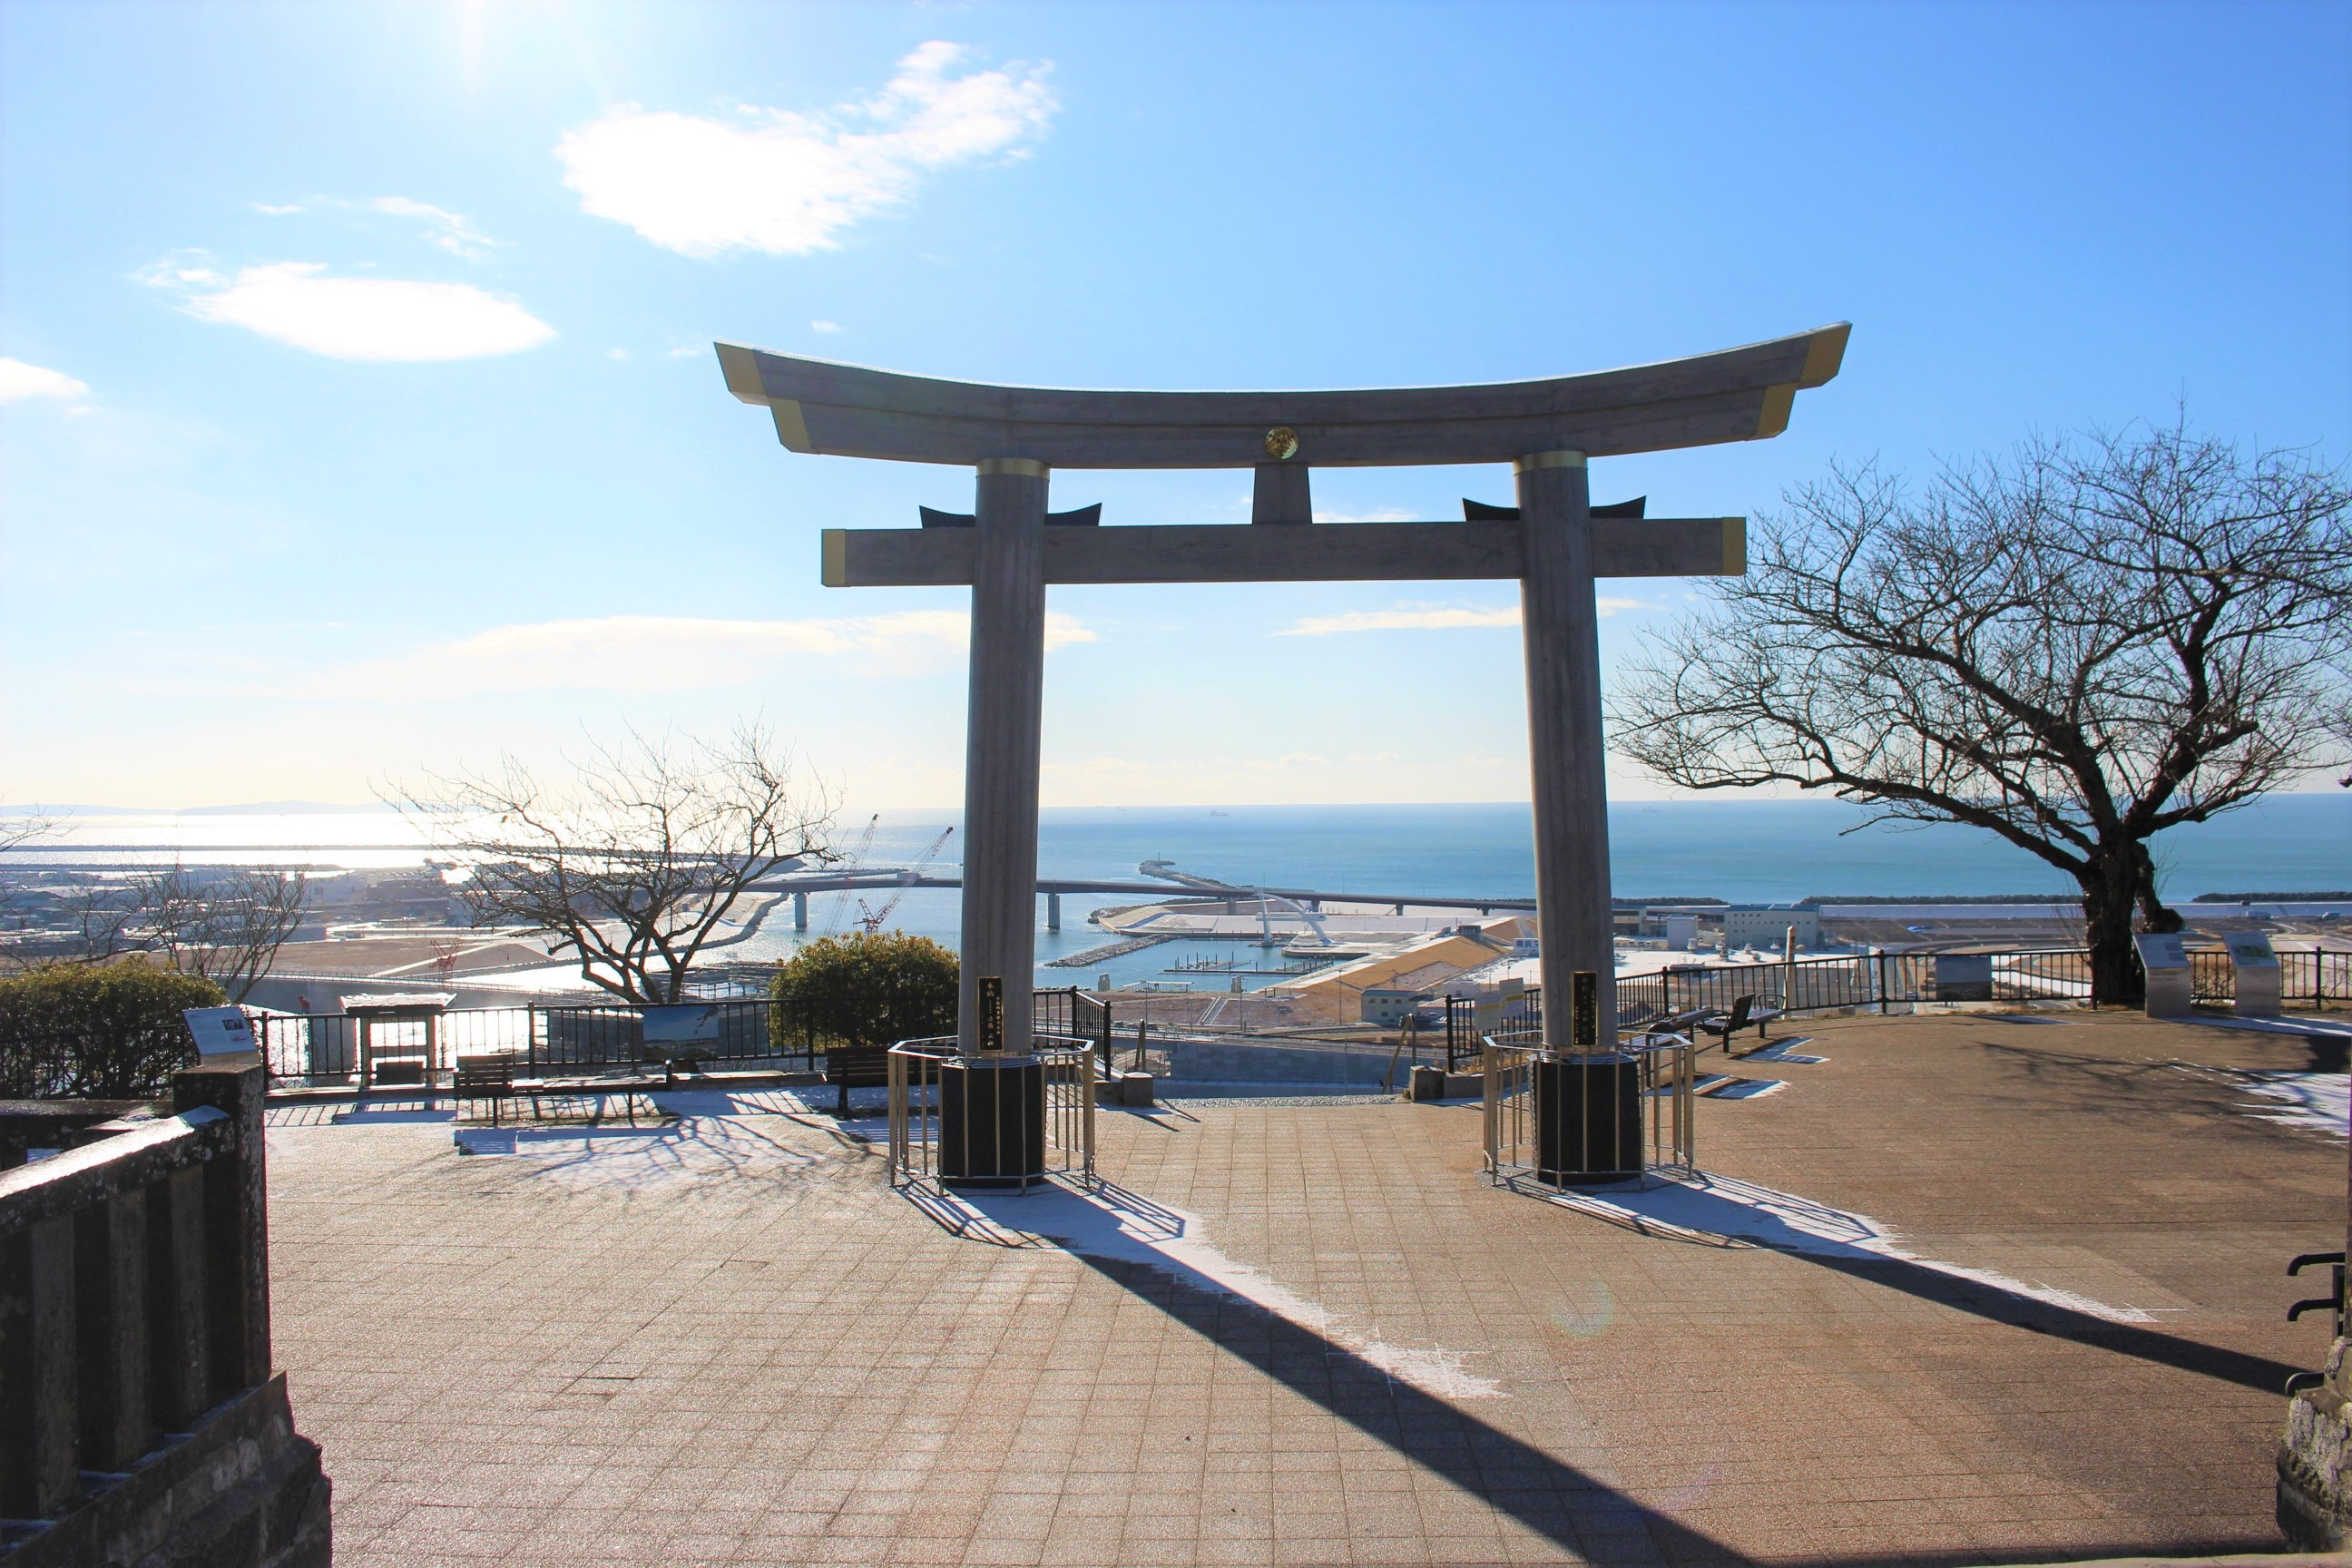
(1553, 542)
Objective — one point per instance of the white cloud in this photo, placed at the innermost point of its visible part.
(1385, 514)
(1403, 618)
(824, 326)
(786, 183)
(298, 302)
(1431, 617)
(19, 380)
(453, 232)
(658, 653)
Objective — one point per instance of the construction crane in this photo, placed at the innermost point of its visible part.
(872, 919)
(837, 915)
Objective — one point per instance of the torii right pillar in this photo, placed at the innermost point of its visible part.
(1560, 626)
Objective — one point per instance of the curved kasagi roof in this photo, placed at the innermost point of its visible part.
(850, 411)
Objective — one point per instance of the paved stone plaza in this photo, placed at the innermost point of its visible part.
(2019, 1296)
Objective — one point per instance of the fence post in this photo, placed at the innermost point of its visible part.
(1881, 982)
(39, 1398)
(236, 1224)
(176, 1297)
(111, 1309)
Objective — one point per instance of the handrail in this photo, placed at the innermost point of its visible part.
(134, 1285)
(142, 1154)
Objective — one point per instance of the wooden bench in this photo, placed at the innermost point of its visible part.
(856, 1066)
(490, 1078)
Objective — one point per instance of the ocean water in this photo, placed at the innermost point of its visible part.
(1744, 851)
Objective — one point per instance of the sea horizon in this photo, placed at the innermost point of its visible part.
(1762, 851)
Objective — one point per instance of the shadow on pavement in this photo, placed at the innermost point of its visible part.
(1118, 1237)
(1716, 1210)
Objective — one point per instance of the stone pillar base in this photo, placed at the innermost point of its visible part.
(993, 1122)
(1588, 1117)
(2314, 1464)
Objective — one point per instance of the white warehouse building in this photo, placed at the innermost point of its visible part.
(1767, 925)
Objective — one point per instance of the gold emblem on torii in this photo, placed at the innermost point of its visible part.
(1281, 443)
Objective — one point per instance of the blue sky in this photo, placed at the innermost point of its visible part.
(361, 414)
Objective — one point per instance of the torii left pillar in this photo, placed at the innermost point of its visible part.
(992, 1102)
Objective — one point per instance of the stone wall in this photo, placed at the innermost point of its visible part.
(243, 1490)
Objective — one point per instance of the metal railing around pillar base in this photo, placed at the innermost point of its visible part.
(1659, 1143)
(915, 1069)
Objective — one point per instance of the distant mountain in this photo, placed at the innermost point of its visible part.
(256, 808)
(39, 810)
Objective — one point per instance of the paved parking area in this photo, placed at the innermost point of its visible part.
(1967, 1290)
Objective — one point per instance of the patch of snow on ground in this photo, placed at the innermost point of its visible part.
(2311, 1027)
(1123, 1226)
(1747, 1089)
(2319, 1100)
(1783, 1051)
(1710, 1205)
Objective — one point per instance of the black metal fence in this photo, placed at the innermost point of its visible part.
(592, 1038)
(2306, 979)
(743, 1032)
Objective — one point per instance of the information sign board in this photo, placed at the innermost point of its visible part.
(222, 1033)
(2164, 958)
(2255, 980)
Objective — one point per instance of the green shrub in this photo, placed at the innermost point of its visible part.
(869, 989)
(102, 1031)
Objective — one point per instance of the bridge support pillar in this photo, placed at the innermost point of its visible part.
(800, 911)
(1053, 911)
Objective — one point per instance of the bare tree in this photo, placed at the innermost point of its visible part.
(2075, 647)
(636, 863)
(27, 827)
(225, 926)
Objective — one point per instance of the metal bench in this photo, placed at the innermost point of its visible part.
(1744, 1012)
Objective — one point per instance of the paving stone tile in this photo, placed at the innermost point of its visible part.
(793, 1365)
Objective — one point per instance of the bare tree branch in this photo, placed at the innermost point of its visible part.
(637, 860)
(224, 925)
(2075, 647)
(28, 828)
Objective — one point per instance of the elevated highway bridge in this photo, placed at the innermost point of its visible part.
(799, 885)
